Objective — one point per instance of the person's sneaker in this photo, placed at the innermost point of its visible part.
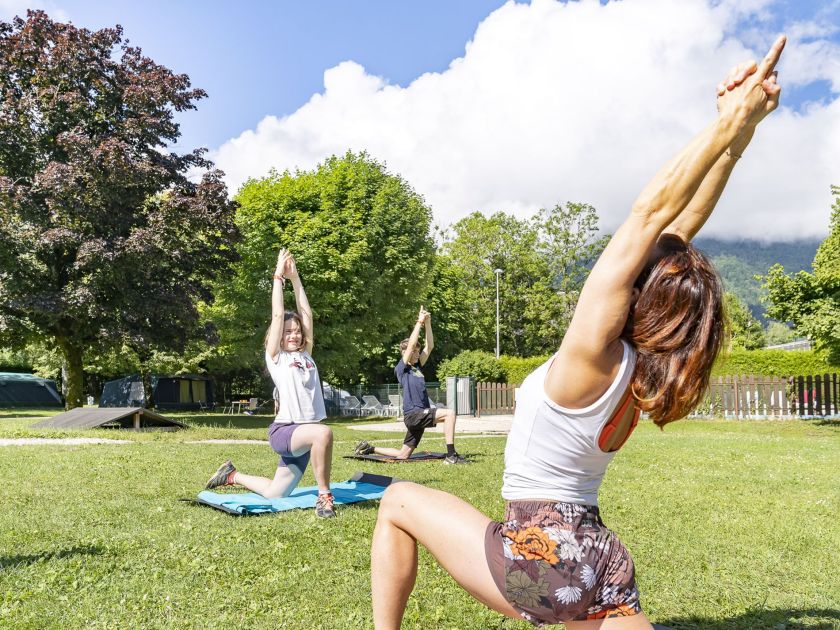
(324, 506)
(454, 459)
(221, 476)
(363, 448)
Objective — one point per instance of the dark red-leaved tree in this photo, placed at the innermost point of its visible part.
(103, 238)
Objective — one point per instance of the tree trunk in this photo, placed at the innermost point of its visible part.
(146, 378)
(72, 373)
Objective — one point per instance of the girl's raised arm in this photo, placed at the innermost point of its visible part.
(301, 302)
(278, 312)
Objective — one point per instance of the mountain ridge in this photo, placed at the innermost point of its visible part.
(738, 261)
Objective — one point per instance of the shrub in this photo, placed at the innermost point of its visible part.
(517, 368)
(772, 363)
(481, 365)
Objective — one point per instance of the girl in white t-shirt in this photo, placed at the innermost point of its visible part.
(297, 432)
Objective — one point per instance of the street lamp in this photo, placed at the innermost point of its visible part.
(498, 272)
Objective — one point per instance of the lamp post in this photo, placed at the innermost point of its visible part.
(498, 272)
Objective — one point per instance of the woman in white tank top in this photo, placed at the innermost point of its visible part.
(644, 335)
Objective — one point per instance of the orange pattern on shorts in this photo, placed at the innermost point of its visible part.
(533, 544)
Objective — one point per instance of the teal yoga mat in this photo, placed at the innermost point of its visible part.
(360, 487)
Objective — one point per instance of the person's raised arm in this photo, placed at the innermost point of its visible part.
(413, 338)
(301, 303)
(428, 338)
(605, 300)
(700, 208)
(275, 329)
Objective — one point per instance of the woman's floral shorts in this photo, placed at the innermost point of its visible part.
(557, 562)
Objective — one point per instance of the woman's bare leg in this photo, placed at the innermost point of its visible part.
(451, 529)
(318, 440)
(636, 622)
(285, 480)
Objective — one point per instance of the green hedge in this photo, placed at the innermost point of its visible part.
(517, 368)
(772, 363)
(484, 367)
(480, 365)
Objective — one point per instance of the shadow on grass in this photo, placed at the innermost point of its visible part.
(244, 421)
(828, 422)
(781, 619)
(22, 413)
(13, 561)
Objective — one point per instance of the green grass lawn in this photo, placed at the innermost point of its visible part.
(731, 525)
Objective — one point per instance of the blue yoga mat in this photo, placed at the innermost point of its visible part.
(301, 498)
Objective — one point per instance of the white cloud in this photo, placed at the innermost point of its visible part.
(581, 102)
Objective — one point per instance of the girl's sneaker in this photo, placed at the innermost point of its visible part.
(324, 506)
(222, 476)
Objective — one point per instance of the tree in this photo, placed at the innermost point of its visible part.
(778, 333)
(745, 331)
(811, 301)
(360, 237)
(103, 239)
(544, 262)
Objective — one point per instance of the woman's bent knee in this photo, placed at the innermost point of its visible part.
(325, 434)
(396, 496)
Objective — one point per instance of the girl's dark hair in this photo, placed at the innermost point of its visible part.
(677, 327)
(289, 315)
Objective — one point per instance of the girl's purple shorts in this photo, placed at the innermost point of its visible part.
(280, 439)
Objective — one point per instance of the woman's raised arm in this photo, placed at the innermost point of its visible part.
(607, 295)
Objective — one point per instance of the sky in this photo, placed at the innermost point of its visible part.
(501, 106)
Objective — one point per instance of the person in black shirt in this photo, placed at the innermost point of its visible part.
(418, 413)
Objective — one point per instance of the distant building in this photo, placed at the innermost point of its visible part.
(798, 344)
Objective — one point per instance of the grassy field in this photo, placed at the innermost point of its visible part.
(731, 524)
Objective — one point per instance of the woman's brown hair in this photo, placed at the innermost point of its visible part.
(677, 327)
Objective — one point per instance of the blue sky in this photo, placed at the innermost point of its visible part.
(488, 106)
(266, 57)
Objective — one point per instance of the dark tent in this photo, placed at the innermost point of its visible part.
(28, 390)
(171, 392)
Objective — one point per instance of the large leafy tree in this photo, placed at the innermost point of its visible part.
(811, 301)
(360, 236)
(103, 238)
(745, 331)
(544, 262)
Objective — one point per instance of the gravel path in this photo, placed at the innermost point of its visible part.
(51, 441)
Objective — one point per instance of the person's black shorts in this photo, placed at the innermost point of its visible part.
(416, 422)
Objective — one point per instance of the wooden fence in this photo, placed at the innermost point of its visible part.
(771, 397)
(728, 397)
(494, 398)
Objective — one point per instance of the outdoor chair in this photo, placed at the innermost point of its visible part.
(253, 406)
(372, 406)
(393, 406)
(351, 406)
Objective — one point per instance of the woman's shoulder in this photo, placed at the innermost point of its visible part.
(575, 382)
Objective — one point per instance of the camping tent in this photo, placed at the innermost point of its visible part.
(28, 390)
(171, 392)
